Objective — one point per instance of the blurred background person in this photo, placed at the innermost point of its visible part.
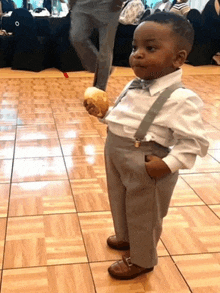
(87, 15)
(132, 11)
(163, 5)
(181, 8)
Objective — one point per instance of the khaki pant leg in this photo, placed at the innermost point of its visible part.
(116, 194)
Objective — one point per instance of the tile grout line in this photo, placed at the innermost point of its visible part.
(9, 195)
(63, 156)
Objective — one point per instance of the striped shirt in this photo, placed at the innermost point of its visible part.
(181, 9)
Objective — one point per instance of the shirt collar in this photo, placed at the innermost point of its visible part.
(163, 82)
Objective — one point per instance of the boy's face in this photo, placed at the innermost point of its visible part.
(154, 52)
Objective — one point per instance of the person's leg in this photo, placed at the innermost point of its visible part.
(147, 202)
(80, 31)
(151, 205)
(116, 193)
(106, 44)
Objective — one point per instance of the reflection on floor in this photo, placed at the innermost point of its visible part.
(54, 209)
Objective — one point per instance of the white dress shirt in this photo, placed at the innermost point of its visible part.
(178, 124)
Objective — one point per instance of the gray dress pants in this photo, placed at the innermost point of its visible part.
(138, 202)
(85, 16)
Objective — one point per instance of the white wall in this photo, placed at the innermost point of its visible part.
(198, 4)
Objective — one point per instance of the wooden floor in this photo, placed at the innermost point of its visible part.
(54, 210)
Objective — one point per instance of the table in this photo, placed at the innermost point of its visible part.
(52, 46)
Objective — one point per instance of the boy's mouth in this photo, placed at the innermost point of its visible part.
(138, 65)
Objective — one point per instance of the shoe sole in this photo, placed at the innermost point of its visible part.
(126, 247)
(130, 277)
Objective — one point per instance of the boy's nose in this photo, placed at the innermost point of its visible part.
(139, 54)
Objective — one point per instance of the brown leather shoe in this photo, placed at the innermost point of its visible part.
(119, 245)
(125, 270)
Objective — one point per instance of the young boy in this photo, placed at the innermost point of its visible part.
(141, 175)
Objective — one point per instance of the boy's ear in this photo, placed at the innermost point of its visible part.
(180, 58)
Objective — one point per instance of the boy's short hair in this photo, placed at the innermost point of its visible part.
(181, 27)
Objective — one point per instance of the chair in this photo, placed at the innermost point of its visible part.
(145, 15)
(6, 51)
(157, 11)
(123, 44)
(195, 18)
(28, 53)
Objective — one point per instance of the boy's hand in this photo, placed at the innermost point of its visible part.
(91, 108)
(156, 168)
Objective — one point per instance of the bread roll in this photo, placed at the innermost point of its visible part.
(97, 97)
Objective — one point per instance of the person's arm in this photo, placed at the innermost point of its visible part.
(1, 12)
(217, 6)
(189, 134)
(190, 140)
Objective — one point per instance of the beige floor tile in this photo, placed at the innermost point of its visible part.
(102, 130)
(6, 149)
(215, 154)
(184, 195)
(90, 194)
(7, 132)
(214, 139)
(207, 186)
(5, 170)
(216, 209)
(83, 146)
(38, 118)
(75, 130)
(57, 279)
(43, 240)
(96, 228)
(4, 197)
(72, 147)
(165, 278)
(32, 132)
(43, 227)
(201, 272)
(68, 120)
(8, 116)
(216, 124)
(38, 169)
(85, 167)
(27, 101)
(2, 238)
(38, 148)
(206, 164)
(44, 197)
(35, 108)
(70, 117)
(191, 230)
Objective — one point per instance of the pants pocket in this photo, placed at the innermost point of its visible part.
(145, 169)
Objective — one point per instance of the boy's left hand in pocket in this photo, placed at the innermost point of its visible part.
(156, 167)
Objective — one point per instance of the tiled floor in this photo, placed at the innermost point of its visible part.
(54, 210)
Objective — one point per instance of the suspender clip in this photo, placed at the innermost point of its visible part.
(137, 143)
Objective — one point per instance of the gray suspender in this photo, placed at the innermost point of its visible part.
(153, 111)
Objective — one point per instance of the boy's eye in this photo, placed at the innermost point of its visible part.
(134, 48)
(151, 49)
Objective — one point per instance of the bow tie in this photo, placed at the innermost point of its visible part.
(140, 84)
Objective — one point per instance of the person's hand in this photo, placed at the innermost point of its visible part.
(156, 167)
(91, 108)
